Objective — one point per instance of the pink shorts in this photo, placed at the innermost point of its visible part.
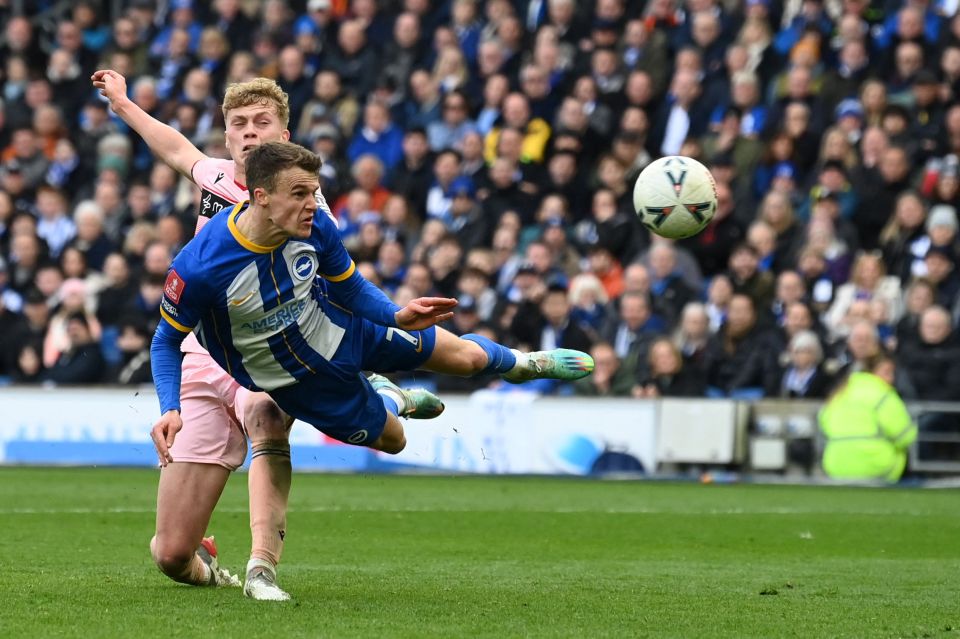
(212, 406)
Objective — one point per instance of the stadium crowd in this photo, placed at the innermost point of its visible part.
(487, 151)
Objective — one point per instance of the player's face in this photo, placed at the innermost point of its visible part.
(293, 205)
(250, 126)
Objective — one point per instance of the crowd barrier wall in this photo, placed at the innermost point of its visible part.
(488, 432)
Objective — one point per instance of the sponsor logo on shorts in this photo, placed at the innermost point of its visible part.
(358, 437)
(174, 286)
(304, 266)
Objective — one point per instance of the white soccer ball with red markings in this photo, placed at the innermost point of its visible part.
(675, 197)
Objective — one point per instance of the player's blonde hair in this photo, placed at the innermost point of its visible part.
(262, 91)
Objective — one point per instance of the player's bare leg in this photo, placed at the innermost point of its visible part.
(474, 354)
(186, 497)
(392, 440)
(269, 485)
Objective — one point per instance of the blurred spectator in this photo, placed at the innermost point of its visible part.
(941, 266)
(27, 255)
(803, 376)
(516, 115)
(377, 136)
(692, 335)
(328, 105)
(670, 293)
(494, 91)
(736, 360)
(12, 323)
(666, 374)
(903, 240)
(682, 115)
(932, 360)
(449, 131)
(719, 293)
(90, 238)
(353, 61)
(55, 226)
(609, 378)
(294, 81)
(25, 158)
(147, 298)
(867, 426)
(868, 283)
(747, 278)
(550, 326)
(920, 296)
(181, 18)
(117, 291)
(134, 343)
(877, 202)
(942, 226)
(74, 298)
(21, 41)
(28, 367)
(467, 222)
(413, 175)
(589, 303)
(80, 362)
(633, 329)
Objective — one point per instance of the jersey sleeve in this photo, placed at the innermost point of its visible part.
(335, 263)
(336, 266)
(184, 294)
(201, 169)
(214, 178)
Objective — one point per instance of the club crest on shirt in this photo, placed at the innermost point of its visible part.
(173, 287)
(304, 266)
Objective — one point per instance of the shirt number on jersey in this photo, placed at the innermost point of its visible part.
(407, 337)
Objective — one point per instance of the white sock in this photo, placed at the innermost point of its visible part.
(521, 361)
(398, 398)
(262, 564)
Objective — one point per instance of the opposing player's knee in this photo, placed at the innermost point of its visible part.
(264, 420)
(172, 559)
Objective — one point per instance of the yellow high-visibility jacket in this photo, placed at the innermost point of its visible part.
(868, 430)
(535, 139)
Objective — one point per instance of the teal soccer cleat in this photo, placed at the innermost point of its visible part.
(560, 363)
(418, 403)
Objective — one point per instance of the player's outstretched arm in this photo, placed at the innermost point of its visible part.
(166, 364)
(166, 142)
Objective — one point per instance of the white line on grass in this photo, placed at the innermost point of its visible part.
(122, 510)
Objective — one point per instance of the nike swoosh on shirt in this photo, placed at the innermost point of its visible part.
(242, 299)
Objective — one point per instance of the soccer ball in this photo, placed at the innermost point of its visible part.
(675, 197)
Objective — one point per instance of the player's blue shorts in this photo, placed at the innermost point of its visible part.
(339, 401)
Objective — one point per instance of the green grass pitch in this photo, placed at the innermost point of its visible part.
(387, 556)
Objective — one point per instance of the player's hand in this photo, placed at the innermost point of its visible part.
(163, 434)
(424, 312)
(112, 85)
